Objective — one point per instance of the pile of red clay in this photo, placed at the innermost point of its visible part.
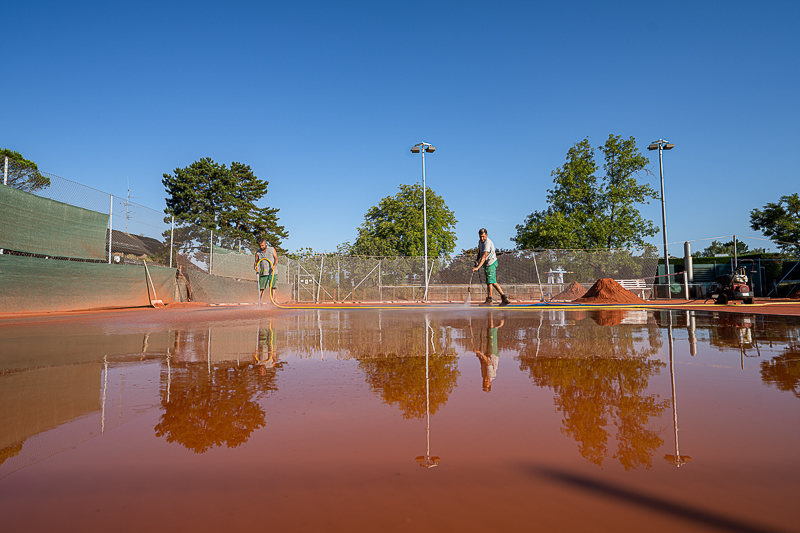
(608, 291)
(795, 295)
(575, 290)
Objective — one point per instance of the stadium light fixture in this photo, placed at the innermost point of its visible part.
(426, 147)
(662, 145)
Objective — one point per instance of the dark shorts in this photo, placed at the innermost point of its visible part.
(263, 281)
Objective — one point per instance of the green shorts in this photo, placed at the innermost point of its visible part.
(263, 281)
(491, 272)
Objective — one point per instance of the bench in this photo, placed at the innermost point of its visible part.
(636, 286)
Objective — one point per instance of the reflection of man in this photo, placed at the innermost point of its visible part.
(264, 355)
(488, 358)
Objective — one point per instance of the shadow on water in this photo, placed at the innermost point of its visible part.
(651, 502)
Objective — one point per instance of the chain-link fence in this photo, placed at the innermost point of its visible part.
(529, 275)
(49, 217)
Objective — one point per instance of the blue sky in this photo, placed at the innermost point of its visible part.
(324, 100)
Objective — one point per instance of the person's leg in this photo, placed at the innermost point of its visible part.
(499, 290)
(491, 281)
(262, 284)
(503, 298)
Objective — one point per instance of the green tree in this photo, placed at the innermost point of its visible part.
(726, 248)
(395, 226)
(780, 222)
(223, 199)
(22, 173)
(589, 212)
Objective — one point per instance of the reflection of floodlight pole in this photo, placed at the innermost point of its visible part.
(427, 461)
(692, 334)
(662, 145)
(422, 148)
(676, 459)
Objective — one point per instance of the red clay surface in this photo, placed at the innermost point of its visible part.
(574, 291)
(608, 291)
(155, 420)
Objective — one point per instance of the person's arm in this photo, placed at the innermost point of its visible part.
(255, 265)
(274, 259)
(483, 258)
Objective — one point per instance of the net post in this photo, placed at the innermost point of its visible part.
(110, 225)
(171, 239)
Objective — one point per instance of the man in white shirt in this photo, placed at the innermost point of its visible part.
(487, 257)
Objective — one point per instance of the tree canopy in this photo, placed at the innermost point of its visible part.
(780, 222)
(223, 199)
(395, 226)
(586, 211)
(22, 173)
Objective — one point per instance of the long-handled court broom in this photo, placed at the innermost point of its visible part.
(153, 301)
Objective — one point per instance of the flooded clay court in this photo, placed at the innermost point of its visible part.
(215, 419)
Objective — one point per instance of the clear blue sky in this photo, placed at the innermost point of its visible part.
(324, 100)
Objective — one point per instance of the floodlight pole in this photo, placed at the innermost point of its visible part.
(662, 145)
(424, 147)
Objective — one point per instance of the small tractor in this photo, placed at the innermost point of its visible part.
(731, 287)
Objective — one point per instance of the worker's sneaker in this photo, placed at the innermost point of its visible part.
(504, 301)
(487, 302)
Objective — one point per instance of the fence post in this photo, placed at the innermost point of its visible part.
(380, 286)
(5, 172)
(210, 251)
(685, 284)
(319, 283)
(171, 239)
(110, 226)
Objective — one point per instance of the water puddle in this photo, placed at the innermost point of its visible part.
(352, 419)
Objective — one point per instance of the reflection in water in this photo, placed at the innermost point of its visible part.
(677, 459)
(207, 405)
(488, 356)
(735, 330)
(426, 461)
(213, 377)
(783, 371)
(600, 376)
(400, 378)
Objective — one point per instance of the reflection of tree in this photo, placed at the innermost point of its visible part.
(205, 408)
(591, 391)
(600, 376)
(783, 371)
(401, 381)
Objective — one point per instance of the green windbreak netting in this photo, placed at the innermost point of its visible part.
(29, 284)
(217, 289)
(41, 226)
(232, 264)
